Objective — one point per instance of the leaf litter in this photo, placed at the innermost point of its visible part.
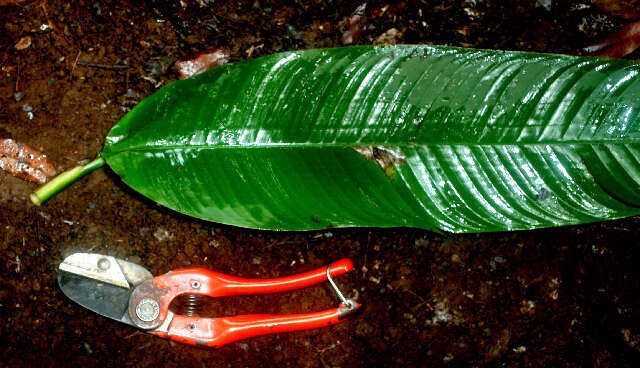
(200, 62)
(23, 161)
(627, 39)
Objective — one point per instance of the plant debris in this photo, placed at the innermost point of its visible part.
(618, 45)
(625, 9)
(390, 37)
(200, 62)
(627, 39)
(23, 43)
(15, 2)
(24, 161)
(355, 25)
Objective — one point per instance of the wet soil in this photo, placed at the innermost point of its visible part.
(563, 297)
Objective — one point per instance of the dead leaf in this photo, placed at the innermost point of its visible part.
(356, 24)
(200, 62)
(618, 45)
(390, 37)
(625, 9)
(464, 31)
(15, 2)
(24, 161)
(23, 43)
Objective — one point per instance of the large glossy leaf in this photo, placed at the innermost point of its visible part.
(432, 137)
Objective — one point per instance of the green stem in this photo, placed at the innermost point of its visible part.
(57, 184)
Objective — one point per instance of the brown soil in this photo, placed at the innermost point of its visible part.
(557, 297)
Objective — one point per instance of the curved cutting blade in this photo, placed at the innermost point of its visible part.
(101, 283)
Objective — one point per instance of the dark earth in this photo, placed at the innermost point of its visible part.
(562, 297)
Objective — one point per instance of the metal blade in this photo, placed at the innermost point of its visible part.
(105, 299)
(101, 283)
(106, 269)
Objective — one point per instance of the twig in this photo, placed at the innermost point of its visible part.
(132, 335)
(17, 87)
(366, 253)
(423, 302)
(74, 64)
(102, 66)
(616, 228)
(43, 5)
(324, 364)
(291, 242)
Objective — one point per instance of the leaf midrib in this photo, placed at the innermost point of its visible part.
(386, 144)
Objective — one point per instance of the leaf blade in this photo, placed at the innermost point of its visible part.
(277, 134)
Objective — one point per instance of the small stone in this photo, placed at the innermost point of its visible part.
(87, 347)
(27, 108)
(133, 94)
(528, 307)
(626, 334)
(520, 349)
(23, 43)
(162, 234)
(159, 66)
(547, 4)
(390, 37)
(18, 96)
(294, 33)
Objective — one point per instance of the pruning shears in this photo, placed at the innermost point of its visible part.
(128, 293)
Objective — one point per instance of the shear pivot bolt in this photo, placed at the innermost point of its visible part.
(103, 264)
(195, 284)
(147, 309)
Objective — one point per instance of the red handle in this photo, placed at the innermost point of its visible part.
(164, 288)
(216, 284)
(215, 332)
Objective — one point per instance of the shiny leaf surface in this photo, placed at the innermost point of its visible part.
(432, 137)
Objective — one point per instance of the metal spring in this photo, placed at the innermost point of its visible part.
(190, 304)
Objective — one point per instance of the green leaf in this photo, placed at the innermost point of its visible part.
(432, 137)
